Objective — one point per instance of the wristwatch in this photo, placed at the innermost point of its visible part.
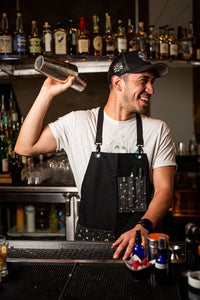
(146, 223)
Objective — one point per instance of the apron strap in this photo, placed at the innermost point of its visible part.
(98, 141)
(140, 141)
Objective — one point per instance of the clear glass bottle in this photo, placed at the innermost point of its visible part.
(34, 40)
(132, 37)
(19, 40)
(163, 44)
(173, 45)
(83, 38)
(108, 38)
(47, 40)
(121, 38)
(60, 40)
(96, 48)
(72, 39)
(142, 38)
(5, 37)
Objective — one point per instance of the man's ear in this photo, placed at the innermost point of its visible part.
(117, 82)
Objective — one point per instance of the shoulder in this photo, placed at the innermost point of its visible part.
(151, 123)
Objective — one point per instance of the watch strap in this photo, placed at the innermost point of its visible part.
(146, 223)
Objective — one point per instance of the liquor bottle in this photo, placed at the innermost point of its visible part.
(16, 169)
(72, 36)
(4, 117)
(60, 40)
(162, 264)
(191, 244)
(163, 46)
(173, 45)
(121, 38)
(183, 51)
(20, 217)
(5, 37)
(138, 249)
(47, 41)
(152, 43)
(19, 40)
(132, 37)
(191, 41)
(53, 219)
(96, 48)
(4, 165)
(197, 49)
(30, 218)
(83, 38)
(108, 38)
(13, 114)
(142, 38)
(34, 40)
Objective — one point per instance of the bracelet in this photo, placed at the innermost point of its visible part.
(146, 223)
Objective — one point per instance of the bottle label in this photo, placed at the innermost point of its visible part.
(19, 43)
(83, 45)
(5, 44)
(161, 266)
(121, 45)
(5, 167)
(173, 50)
(74, 38)
(98, 43)
(35, 45)
(47, 42)
(133, 45)
(60, 42)
(164, 48)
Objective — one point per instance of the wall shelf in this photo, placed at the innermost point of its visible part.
(25, 67)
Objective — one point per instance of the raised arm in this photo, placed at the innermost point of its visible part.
(33, 138)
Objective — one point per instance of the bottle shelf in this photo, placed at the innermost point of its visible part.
(15, 232)
(12, 66)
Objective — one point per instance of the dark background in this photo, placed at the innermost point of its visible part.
(52, 11)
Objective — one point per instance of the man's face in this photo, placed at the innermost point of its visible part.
(137, 91)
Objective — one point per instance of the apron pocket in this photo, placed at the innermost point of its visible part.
(131, 194)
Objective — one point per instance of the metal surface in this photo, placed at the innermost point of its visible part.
(55, 251)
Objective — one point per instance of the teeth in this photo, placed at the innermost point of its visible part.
(145, 99)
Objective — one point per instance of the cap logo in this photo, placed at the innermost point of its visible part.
(143, 56)
(118, 67)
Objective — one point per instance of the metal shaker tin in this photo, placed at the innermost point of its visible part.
(152, 244)
(59, 70)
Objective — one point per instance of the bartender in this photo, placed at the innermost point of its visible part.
(122, 160)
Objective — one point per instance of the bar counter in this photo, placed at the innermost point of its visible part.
(82, 270)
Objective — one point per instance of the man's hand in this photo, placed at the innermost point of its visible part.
(55, 88)
(127, 240)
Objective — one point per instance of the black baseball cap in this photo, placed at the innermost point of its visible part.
(135, 62)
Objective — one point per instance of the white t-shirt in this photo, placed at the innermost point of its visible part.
(75, 133)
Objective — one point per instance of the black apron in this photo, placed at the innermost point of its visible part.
(116, 190)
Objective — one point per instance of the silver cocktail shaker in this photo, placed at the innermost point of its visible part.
(60, 70)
